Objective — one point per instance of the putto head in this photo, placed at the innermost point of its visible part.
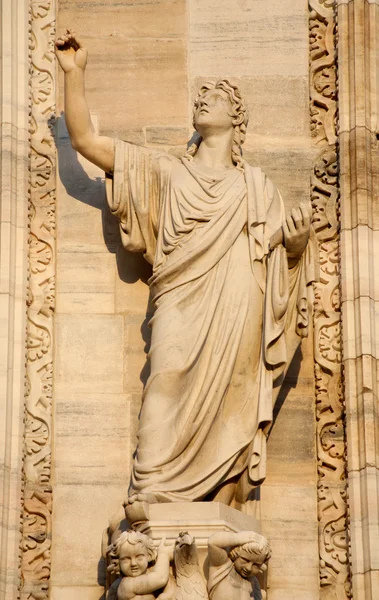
(131, 554)
(227, 103)
(251, 558)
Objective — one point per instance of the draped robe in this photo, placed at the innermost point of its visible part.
(228, 315)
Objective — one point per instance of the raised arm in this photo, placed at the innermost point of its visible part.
(72, 57)
(218, 542)
(226, 539)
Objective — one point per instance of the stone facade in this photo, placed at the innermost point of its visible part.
(76, 305)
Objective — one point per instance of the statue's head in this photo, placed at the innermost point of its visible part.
(251, 558)
(219, 106)
(132, 553)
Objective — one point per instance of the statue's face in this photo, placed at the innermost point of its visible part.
(245, 566)
(133, 559)
(213, 112)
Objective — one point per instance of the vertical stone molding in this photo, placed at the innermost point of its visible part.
(357, 57)
(332, 485)
(41, 298)
(14, 176)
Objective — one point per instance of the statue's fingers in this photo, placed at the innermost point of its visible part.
(297, 217)
(286, 232)
(290, 224)
(306, 214)
(74, 36)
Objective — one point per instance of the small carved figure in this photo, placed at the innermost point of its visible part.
(232, 574)
(143, 569)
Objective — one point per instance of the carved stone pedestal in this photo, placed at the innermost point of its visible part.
(199, 519)
(187, 528)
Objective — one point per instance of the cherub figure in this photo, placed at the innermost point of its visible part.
(144, 570)
(235, 559)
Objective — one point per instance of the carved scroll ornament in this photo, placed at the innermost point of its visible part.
(331, 452)
(36, 526)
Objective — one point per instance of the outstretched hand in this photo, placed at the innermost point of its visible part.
(70, 52)
(296, 230)
(166, 548)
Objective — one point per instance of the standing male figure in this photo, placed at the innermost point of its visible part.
(225, 302)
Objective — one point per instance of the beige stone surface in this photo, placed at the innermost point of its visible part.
(14, 152)
(81, 511)
(94, 592)
(248, 38)
(87, 346)
(86, 282)
(135, 38)
(93, 435)
(289, 497)
(359, 221)
(152, 66)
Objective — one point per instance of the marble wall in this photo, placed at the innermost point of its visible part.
(146, 61)
(14, 181)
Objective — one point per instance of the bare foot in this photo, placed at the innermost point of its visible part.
(149, 498)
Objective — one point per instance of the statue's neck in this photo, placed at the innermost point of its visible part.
(215, 151)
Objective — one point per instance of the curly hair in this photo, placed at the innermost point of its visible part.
(259, 550)
(239, 113)
(132, 538)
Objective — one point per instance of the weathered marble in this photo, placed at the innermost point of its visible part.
(278, 140)
(14, 175)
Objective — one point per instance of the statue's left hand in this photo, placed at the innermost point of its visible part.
(296, 229)
(166, 548)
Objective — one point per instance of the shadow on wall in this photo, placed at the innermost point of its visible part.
(89, 190)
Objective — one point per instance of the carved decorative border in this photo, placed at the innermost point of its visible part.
(330, 413)
(37, 509)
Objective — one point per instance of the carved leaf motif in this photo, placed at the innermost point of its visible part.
(42, 86)
(326, 167)
(328, 3)
(36, 532)
(48, 292)
(47, 386)
(317, 34)
(40, 8)
(41, 170)
(38, 343)
(332, 507)
(40, 254)
(325, 82)
(332, 439)
(330, 343)
(36, 434)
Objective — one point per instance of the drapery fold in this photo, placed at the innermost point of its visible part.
(228, 316)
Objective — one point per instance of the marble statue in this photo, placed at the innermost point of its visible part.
(143, 569)
(233, 574)
(229, 286)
